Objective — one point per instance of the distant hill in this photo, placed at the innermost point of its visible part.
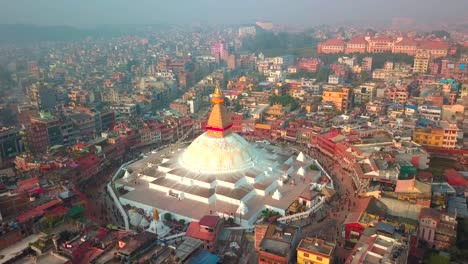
(14, 33)
(24, 33)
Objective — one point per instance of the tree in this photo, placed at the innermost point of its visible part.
(322, 75)
(365, 76)
(168, 216)
(440, 33)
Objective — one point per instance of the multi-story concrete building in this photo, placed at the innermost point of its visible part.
(309, 65)
(85, 123)
(218, 50)
(421, 61)
(379, 248)
(247, 31)
(11, 144)
(314, 250)
(407, 46)
(335, 79)
(366, 64)
(348, 61)
(356, 45)
(331, 46)
(43, 132)
(454, 67)
(208, 230)
(180, 106)
(397, 94)
(437, 229)
(379, 44)
(338, 96)
(442, 136)
(430, 112)
(364, 93)
(278, 244)
(450, 134)
(124, 110)
(453, 113)
(430, 137)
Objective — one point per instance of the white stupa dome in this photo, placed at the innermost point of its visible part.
(209, 154)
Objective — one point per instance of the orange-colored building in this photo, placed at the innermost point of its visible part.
(379, 44)
(331, 46)
(437, 49)
(356, 45)
(340, 98)
(406, 46)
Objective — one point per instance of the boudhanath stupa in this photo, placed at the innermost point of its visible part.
(220, 173)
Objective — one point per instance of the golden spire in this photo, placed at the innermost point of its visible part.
(219, 122)
(218, 96)
(155, 215)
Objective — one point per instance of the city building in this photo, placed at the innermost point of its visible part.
(366, 64)
(421, 61)
(442, 136)
(278, 244)
(437, 229)
(364, 93)
(339, 97)
(247, 31)
(430, 112)
(379, 248)
(331, 46)
(356, 45)
(314, 250)
(309, 65)
(379, 44)
(207, 230)
(11, 144)
(335, 79)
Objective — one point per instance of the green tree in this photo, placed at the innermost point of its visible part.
(323, 73)
(168, 216)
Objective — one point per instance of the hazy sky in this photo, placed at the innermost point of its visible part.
(306, 12)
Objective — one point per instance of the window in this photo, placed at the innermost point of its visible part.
(306, 255)
(319, 258)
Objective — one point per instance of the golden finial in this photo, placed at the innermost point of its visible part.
(218, 96)
(155, 215)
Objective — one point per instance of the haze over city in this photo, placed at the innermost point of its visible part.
(233, 132)
(297, 12)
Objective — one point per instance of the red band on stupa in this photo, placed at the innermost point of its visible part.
(217, 129)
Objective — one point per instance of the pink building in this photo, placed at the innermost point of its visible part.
(331, 46)
(217, 49)
(356, 45)
(437, 229)
(310, 65)
(207, 230)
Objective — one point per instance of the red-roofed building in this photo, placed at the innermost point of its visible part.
(437, 49)
(206, 230)
(90, 165)
(356, 45)
(58, 211)
(454, 178)
(309, 65)
(379, 44)
(28, 185)
(406, 46)
(38, 211)
(352, 228)
(331, 46)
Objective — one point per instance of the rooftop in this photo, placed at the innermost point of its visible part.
(315, 245)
